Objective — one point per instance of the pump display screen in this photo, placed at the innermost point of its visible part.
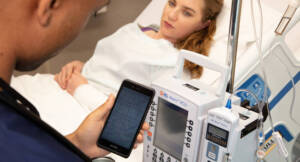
(217, 135)
(170, 128)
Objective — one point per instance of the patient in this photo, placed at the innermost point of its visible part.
(143, 54)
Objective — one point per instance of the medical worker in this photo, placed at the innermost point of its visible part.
(32, 31)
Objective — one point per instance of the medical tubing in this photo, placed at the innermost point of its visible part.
(258, 43)
(260, 123)
(294, 91)
(282, 150)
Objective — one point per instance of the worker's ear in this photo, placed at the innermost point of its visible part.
(45, 10)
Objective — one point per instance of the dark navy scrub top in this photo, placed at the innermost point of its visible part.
(24, 137)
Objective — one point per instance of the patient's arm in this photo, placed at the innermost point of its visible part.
(74, 82)
(77, 85)
(66, 72)
(94, 99)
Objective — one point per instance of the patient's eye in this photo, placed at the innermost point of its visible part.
(172, 3)
(187, 14)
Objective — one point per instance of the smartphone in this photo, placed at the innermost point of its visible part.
(126, 118)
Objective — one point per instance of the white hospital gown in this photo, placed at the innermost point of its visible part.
(128, 53)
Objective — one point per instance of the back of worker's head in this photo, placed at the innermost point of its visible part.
(37, 29)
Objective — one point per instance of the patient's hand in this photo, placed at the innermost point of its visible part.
(65, 74)
(75, 81)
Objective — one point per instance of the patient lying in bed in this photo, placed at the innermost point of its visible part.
(132, 52)
(142, 56)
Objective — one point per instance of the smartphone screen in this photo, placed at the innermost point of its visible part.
(126, 118)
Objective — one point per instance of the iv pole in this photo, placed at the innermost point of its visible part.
(233, 36)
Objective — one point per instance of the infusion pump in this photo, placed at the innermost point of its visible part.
(229, 135)
(178, 111)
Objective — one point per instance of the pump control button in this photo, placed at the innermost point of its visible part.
(152, 108)
(188, 139)
(151, 119)
(168, 159)
(188, 145)
(152, 113)
(190, 128)
(185, 160)
(189, 134)
(153, 159)
(191, 122)
(151, 124)
(161, 159)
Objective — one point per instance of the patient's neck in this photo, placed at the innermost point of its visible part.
(160, 35)
(157, 35)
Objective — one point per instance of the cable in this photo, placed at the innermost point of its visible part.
(294, 91)
(258, 43)
(278, 138)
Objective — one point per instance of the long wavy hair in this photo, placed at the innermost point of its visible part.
(201, 41)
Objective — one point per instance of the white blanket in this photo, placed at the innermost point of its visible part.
(56, 107)
(129, 53)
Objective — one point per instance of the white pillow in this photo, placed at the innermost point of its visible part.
(153, 12)
(246, 38)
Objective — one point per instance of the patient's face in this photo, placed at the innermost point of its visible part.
(181, 18)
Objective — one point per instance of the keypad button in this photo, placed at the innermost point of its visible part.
(152, 113)
(185, 159)
(151, 119)
(188, 145)
(151, 124)
(168, 159)
(188, 139)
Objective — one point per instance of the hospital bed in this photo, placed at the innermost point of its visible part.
(275, 49)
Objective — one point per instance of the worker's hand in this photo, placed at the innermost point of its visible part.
(65, 74)
(86, 136)
(74, 82)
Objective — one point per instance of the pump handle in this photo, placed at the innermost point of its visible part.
(203, 61)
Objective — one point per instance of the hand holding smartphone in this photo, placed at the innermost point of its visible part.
(126, 118)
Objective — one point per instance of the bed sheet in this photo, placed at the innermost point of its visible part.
(56, 106)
